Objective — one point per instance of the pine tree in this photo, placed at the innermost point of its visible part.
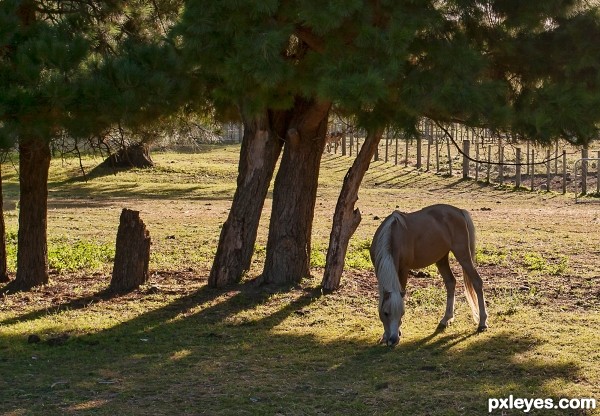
(47, 50)
(494, 63)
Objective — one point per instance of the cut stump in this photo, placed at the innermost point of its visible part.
(132, 253)
(133, 156)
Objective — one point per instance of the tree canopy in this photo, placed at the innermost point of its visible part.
(528, 68)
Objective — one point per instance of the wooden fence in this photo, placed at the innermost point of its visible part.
(479, 154)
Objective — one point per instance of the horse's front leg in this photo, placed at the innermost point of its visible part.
(450, 282)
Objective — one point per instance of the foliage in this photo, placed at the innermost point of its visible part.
(49, 67)
(493, 63)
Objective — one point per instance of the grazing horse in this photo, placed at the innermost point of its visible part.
(415, 240)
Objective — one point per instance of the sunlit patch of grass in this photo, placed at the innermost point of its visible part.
(65, 255)
(536, 262)
(318, 255)
(70, 256)
(491, 256)
(358, 256)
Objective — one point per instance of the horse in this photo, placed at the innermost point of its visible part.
(406, 241)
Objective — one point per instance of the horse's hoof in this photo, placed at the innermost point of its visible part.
(446, 324)
(441, 327)
(482, 328)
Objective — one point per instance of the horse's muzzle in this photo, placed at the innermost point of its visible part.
(393, 340)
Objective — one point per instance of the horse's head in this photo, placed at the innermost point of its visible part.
(391, 311)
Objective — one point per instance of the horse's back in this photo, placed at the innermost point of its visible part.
(432, 232)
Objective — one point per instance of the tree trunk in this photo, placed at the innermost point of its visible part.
(132, 253)
(346, 219)
(261, 147)
(32, 254)
(294, 194)
(3, 269)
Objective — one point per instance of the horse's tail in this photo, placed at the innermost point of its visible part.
(469, 290)
(381, 256)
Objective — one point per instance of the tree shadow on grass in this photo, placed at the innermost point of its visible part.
(260, 350)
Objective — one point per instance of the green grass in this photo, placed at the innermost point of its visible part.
(179, 347)
(537, 262)
(67, 255)
(71, 256)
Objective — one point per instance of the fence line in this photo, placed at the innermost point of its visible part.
(479, 154)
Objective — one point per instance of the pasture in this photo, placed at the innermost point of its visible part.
(178, 347)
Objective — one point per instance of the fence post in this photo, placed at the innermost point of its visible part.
(532, 169)
(419, 140)
(501, 166)
(518, 169)
(584, 169)
(548, 180)
(489, 164)
(564, 182)
(437, 154)
(477, 159)
(449, 157)
(387, 144)
(466, 150)
(351, 142)
(406, 154)
(528, 162)
(556, 159)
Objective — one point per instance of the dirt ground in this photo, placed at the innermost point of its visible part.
(510, 224)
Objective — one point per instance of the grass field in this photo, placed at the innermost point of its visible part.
(179, 347)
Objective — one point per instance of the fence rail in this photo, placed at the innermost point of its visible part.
(479, 154)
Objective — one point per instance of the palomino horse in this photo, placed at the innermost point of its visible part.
(416, 240)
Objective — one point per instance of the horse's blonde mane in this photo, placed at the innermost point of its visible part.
(385, 269)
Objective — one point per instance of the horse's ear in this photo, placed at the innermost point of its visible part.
(386, 295)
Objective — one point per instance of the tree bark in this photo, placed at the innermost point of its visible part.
(294, 194)
(32, 254)
(261, 147)
(132, 253)
(3, 269)
(346, 218)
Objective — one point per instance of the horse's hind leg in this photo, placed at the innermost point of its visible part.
(450, 283)
(467, 264)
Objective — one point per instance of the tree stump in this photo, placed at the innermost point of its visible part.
(132, 253)
(133, 156)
